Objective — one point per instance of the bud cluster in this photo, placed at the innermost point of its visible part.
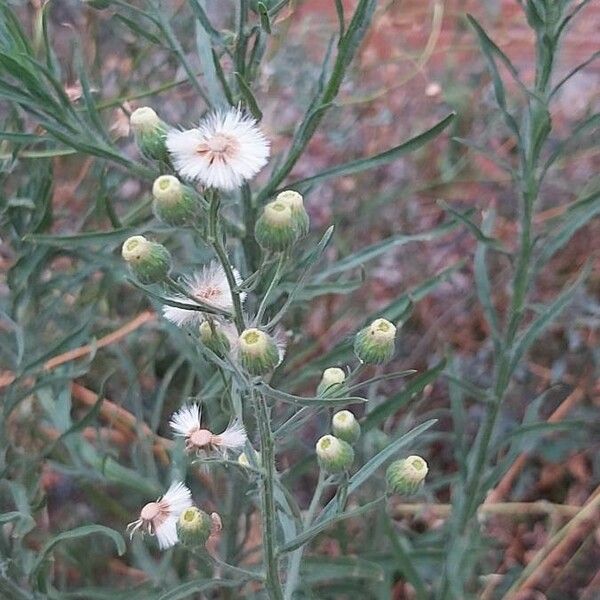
(283, 222)
(334, 452)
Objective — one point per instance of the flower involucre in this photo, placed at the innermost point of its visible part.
(226, 149)
(159, 518)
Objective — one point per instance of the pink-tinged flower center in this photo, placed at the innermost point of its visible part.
(218, 147)
(201, 438)
(208, 293)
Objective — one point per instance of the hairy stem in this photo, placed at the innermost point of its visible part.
(216, 240)
(268, 514)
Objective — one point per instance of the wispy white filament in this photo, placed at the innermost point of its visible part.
(226, 149)
(210, 286)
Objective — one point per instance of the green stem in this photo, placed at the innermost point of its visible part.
(473, 493)
(296, 558)
(274, 281)
(216, 241)
(268, 514)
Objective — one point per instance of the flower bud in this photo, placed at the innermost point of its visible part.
(275, 229)
(174, 204)
(345, 426)
(194, 527)
(244, 459)
(406, 476)
(258, 352)
(334, 455)
(214, 337)
(150, 133)
(296, 203)
(375, 344)
(330, 381)
(149, 262)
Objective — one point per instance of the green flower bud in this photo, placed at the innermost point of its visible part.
(150, 133)
(174, 204)
(258, 352)
(213, 336)
(149, 262)
(334, 455)
(244, 459)
(330, 381)
(406, 476)
(296, 203)
(374, 345)
(194, 527)
(275, 229)
(345, 426)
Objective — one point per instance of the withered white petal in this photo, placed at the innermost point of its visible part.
(186, 419)
(211, 287)
(234, 437)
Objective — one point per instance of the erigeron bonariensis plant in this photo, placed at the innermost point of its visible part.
(243, 342)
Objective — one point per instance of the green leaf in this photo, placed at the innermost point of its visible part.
(393, 404)
(205, 21)
(263, 12)
(320, 569)
(578, 215)
(115, 236)
(403, 559)
(315, 530)
(358, 258)
(546, 318)
(76, 533)
(378, 160)
(482, 282)
(490, 50)
(316, 402)
(248, 97)
(185, 591)
(479, 235)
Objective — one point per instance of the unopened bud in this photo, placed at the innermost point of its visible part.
(213, 336)
(406, 476)
(296, 203)
(149, 262)
(174, 203)
(330, 381)
(150, 133)
(334, 455)
(258, 352)
(345, 426)
(194, 527)
(275, 229)
(244, 459)
(375, 344)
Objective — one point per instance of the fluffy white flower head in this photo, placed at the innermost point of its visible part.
(210, 286)
(159, 518)
(186, 422)
(226, 149)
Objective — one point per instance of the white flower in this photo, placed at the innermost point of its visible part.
(186, 422)
(225, 150)
(160, 518)
(210, 286)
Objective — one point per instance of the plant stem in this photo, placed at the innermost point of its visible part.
(268, 514)
(216, 241)
(529, 187)
(296, 558)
